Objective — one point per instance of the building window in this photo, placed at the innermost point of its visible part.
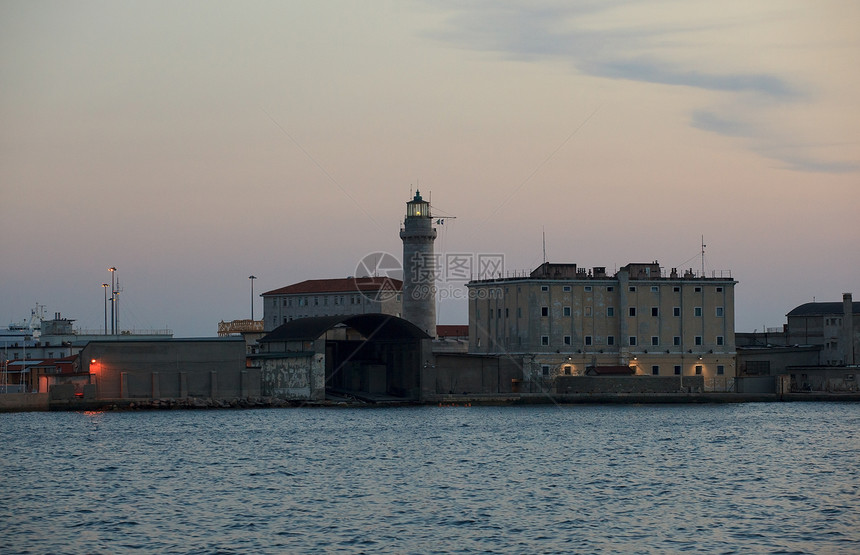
(588, 340)
(719, 340)
(566, 311)
(719, 312)
(655, 340)
(632, 288)
(544, 287)
(655, 370)
(655, 289)
(632, 340)
(677, 369)
(610, 311)
(631, 310)
(697, 311)
(721, 369)
(676, 340)
(719, 289)
(544, 311)
(610, 289)
(698, 289)
(698, 369)
(588, 289)
(676, 311)
(566, 289)
(519, 312)
(507, 313)
(610, 340)
(544, 340)
(676, 289)
(588, 311)
(544, 369)
(567, 340)
(698, 340)
(655, 311)
(316, 301)
(499, 313)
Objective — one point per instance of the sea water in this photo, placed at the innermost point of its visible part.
(722, 478)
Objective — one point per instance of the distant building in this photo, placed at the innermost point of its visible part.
(573, 320)
(834, 326)
(331, 297)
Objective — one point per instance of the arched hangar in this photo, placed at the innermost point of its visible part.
(377, 356)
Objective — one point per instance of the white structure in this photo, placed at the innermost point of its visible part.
(419, 266)
(331, 297)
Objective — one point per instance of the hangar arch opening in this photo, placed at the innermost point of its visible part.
(373, 357)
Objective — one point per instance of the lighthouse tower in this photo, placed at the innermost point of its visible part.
(419, 266)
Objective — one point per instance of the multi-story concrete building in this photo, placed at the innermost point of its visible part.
(331, 297)
(572, 319)
(833, 326)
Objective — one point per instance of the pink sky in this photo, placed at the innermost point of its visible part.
(193, 144)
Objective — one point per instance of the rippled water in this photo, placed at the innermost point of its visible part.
(764, 478)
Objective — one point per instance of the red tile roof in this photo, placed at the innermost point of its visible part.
(338, 285)
(452, 330)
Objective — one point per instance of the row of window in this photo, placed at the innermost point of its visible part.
(655, 369)
(631, 289)
(315, 300)
(719, 312)
(633, 340)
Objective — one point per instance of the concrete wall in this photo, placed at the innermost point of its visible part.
(470, 374)
(757, 384)
(13, 402)
(295, 374)
(628, 384)
(207, 368)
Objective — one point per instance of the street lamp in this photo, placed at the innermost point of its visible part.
(105, 286)
(112, 271)
(252, 278)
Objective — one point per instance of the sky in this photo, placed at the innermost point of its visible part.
(193, 144)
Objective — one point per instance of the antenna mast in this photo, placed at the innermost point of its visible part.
(703, 255)
(543, 232)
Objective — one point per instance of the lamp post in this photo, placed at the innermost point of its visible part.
(105, 286)
(252, 278)
(112, 271)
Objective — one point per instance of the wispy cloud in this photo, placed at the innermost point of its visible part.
(595, 42)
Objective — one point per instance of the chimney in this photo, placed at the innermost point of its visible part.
(848, 328)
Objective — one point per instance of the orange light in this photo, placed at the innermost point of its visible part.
(93, 361)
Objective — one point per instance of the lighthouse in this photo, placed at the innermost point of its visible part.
(419, 266)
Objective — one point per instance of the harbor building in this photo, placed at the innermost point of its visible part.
(639, 321)
(331, 297)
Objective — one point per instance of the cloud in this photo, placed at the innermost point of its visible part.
(658, 44)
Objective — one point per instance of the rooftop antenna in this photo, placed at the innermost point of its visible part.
(543, 232)
(703, 255)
